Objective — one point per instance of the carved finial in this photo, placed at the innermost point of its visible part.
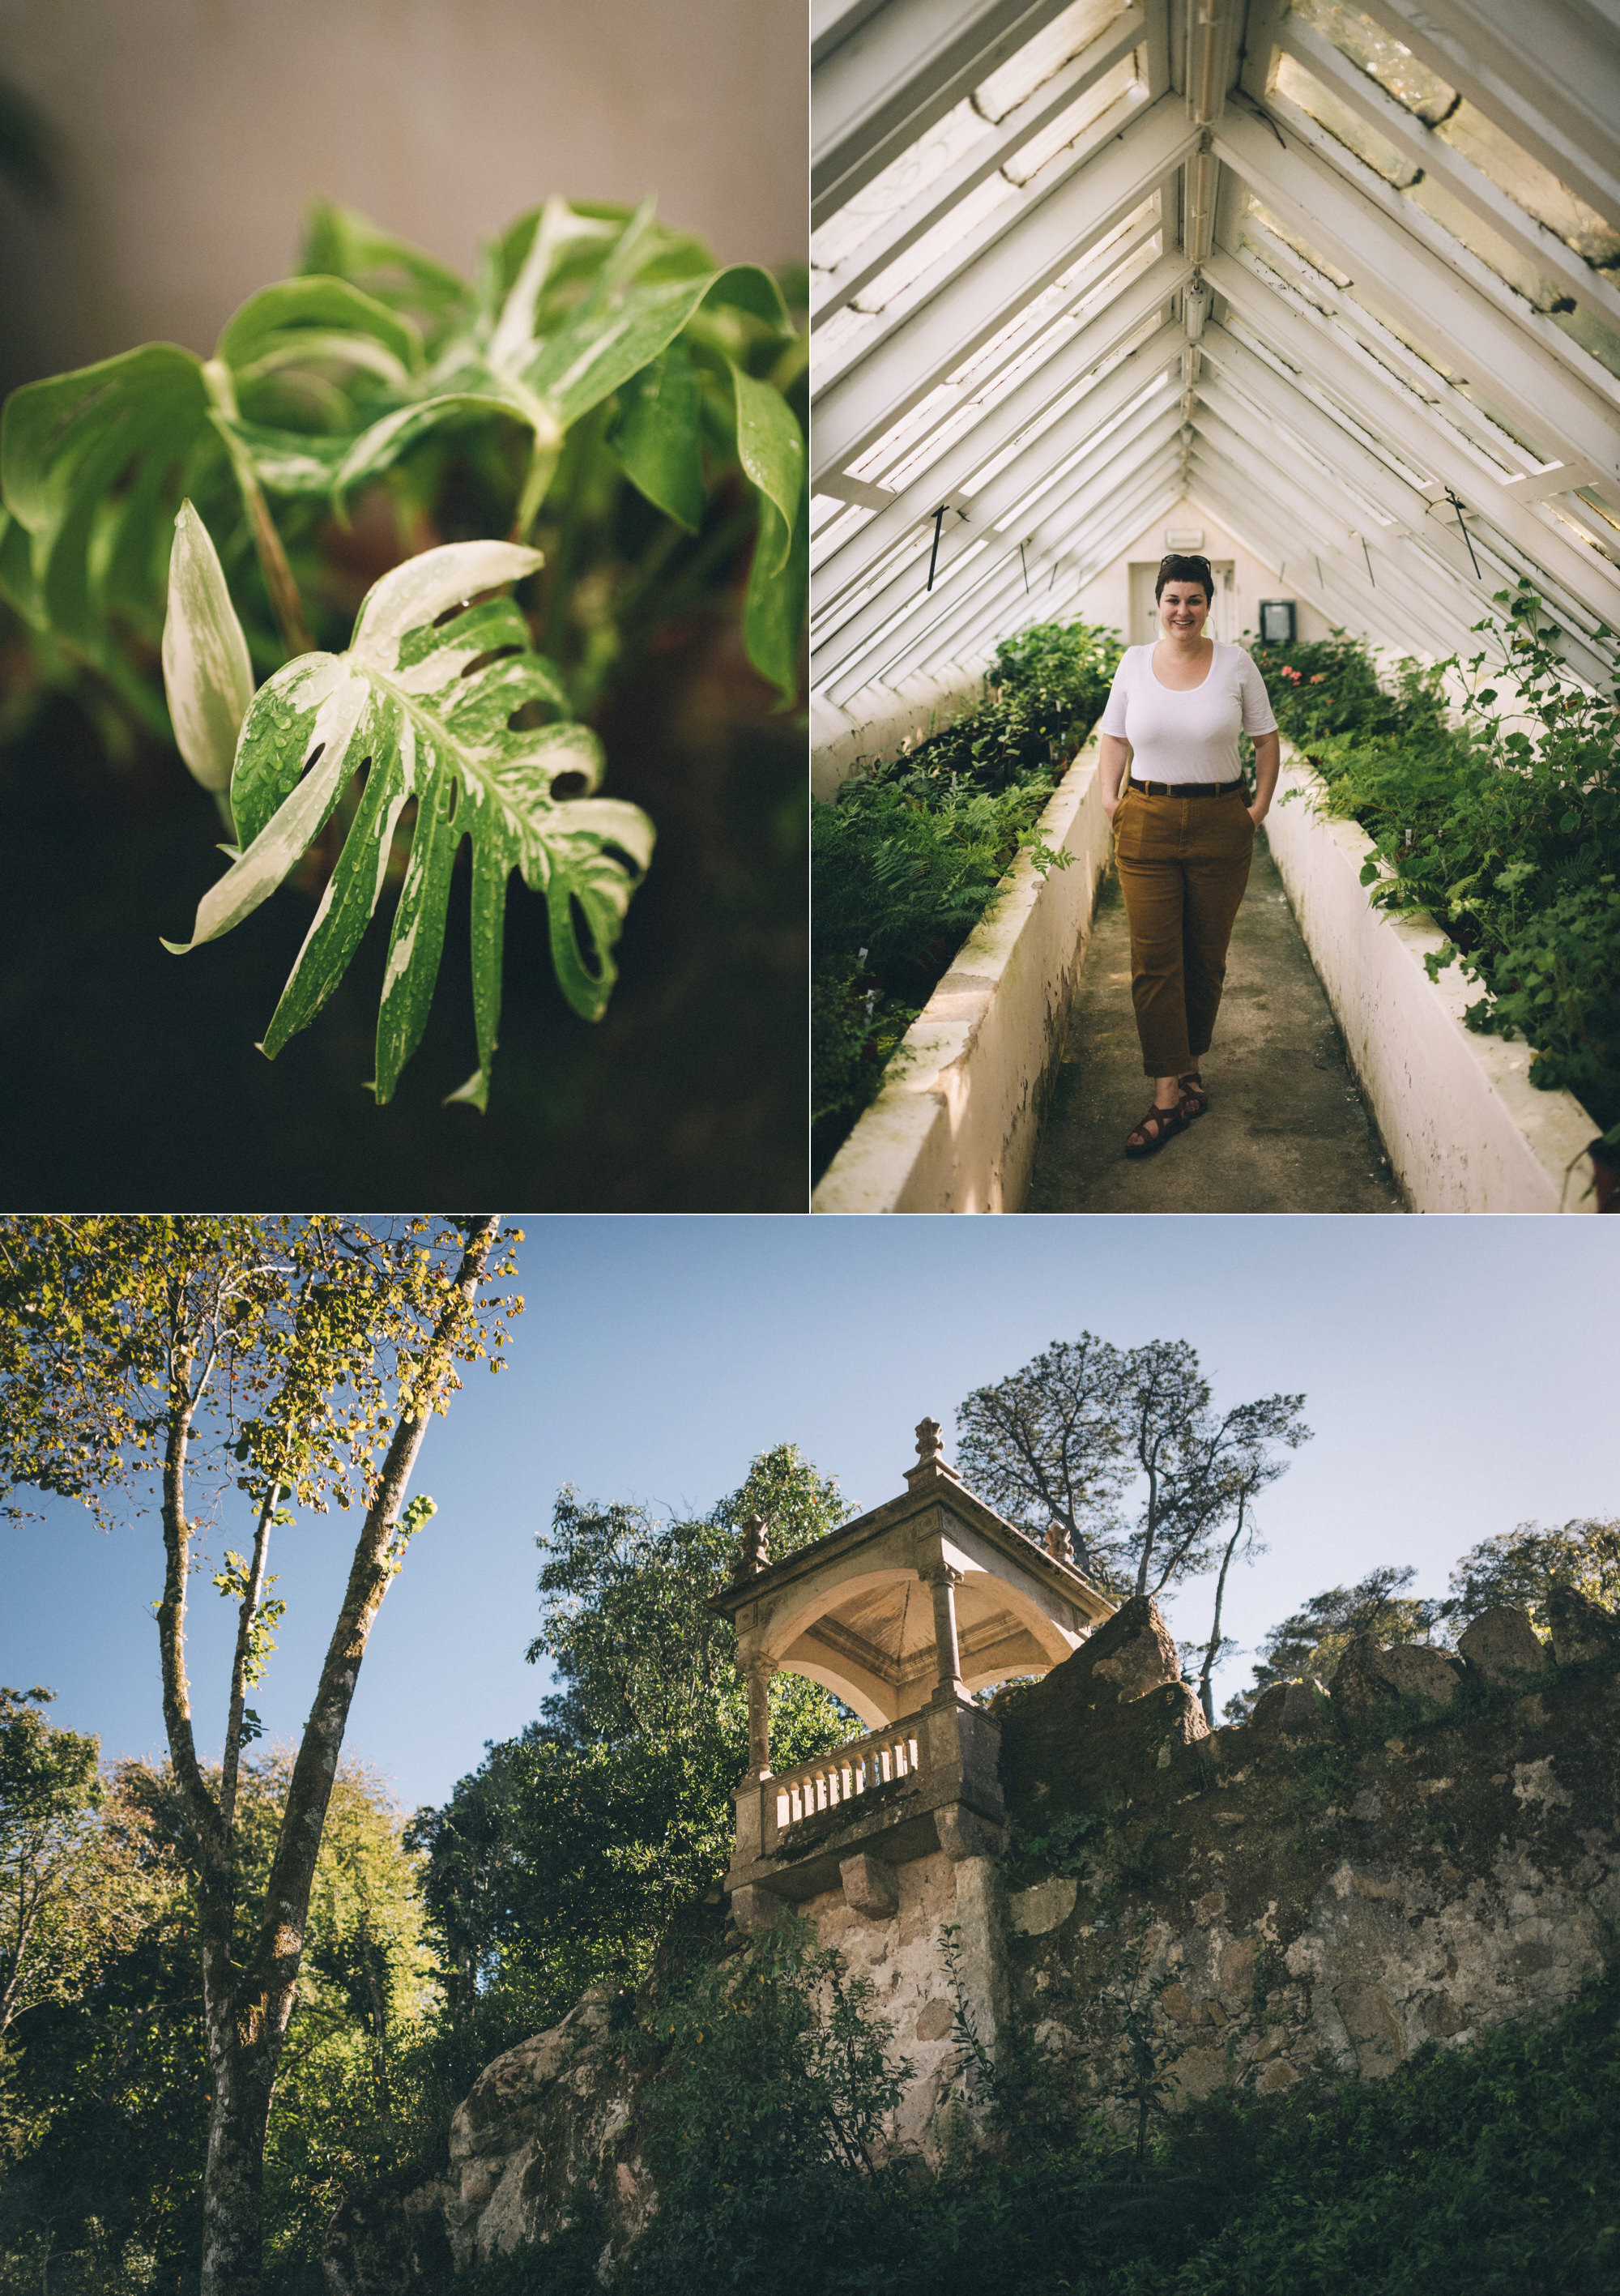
(1057, 1542)
(755, 1557)
(932, 1465)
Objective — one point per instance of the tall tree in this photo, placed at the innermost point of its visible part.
(1047, 1445)
(1523, 1566)
(1085, 1425)
(1310, 1641)
(298, 1363)
(50, 1790)
(558, 1863)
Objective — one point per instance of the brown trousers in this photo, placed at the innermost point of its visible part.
(1183, 864)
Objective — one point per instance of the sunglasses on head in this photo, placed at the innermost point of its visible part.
(1185, 558)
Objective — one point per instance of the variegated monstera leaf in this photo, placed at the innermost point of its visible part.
(424, 702)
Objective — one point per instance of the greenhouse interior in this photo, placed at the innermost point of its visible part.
(1330, 295)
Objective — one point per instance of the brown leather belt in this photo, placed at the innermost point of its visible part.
(1185, 789)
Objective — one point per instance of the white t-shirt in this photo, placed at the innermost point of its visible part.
(1191, 736)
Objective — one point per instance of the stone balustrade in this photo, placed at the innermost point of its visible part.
(860, 1767)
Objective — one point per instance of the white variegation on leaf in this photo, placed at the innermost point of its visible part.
(423, 701)
(206, 670)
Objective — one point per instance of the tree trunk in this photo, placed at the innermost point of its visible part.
(248, 2007)
(233, 2190)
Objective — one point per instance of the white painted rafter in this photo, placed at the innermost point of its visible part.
(896, 73)
(831, 291)
(1336, 437)
(988, 291)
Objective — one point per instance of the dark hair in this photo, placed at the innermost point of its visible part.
(1178, 569)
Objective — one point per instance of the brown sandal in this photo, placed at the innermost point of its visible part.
(1157, 1125)
(1195, 1100)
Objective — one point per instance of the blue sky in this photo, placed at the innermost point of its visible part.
(1458, 1374)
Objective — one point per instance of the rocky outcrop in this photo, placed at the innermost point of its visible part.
(1121, 1695)
(1426, 1851)
(1430, 1851)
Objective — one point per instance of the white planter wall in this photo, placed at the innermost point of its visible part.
(1466, 1129)
(955, 1129)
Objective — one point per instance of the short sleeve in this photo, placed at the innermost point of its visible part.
(1113, 718)
(1258, 716)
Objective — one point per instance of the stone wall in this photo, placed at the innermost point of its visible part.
(1423, 1853)
(1427, 1851)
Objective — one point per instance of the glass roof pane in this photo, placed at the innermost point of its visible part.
(1534, 187)
(1301, 87)
(1072, 122)
(921, 164)
(1068, 36)
(1394, 68)
(950, 235)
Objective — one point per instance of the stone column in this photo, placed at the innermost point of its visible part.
(943, 1582)
(759, 1673)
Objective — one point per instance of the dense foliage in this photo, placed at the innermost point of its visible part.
(1123, 1451)
(557, 1864)
(1505, 829)
(103, 2092)
(908, 853)
(1522, 1566)
(1492, 2171)
(1310, 1641)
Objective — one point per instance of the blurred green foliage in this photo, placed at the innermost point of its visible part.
(907, 855)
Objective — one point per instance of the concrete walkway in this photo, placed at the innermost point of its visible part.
(1286, 1129)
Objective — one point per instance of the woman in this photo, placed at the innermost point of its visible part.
(1183, 833)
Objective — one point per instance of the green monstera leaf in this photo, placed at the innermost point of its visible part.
(424, 702)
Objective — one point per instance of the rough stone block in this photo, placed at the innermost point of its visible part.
(1414, 1671)
(963, 1833)
(1046, 1907)
(754, 1908)
(871, 1886)
(1130, 1654)
(1502, 1644)
(1368, 1679)
(1292, 1709)
(1581, 1629)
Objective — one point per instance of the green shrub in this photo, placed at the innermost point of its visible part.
(1507, 832)
(907, 855)
(1489, 2171)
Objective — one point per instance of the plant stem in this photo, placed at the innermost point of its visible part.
(557, 587)
(285, 603)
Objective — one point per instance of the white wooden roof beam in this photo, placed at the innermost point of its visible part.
(1256, 395)
(1305, 339)
(1549, 80)
(990, 291)
(934, 623)
(1304, 483)
(1441, 305)
(833, 290)
(1419, 144)
(1285, 402)
(1245, 511)
(1001, 608)
(1447, 251)
(999, 567)
(833, 637)
(1026, 405)
(901, 69)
